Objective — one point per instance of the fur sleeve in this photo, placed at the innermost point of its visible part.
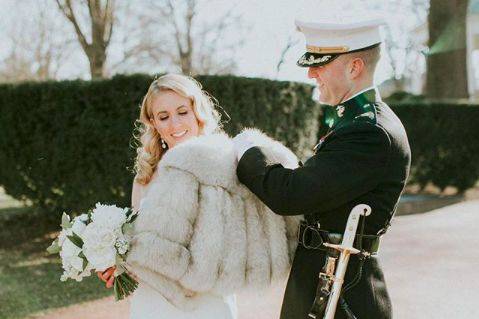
(164, 226)
(276, 152)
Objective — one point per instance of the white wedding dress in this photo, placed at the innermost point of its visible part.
(148, 303)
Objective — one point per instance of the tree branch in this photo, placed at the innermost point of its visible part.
(67, 10)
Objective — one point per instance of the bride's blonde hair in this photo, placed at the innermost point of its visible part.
(149, 151)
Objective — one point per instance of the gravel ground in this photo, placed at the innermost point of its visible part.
(430, 262)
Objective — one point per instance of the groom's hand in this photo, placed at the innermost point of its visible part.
(241, 144)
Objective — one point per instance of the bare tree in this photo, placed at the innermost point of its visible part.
(16, 68)
(38, 50)
(446, 61)
(290, 43)
(213, 53)
(401, 47)
(101, 18)
(181, 36)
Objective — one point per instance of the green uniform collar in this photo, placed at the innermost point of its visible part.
(361, 107)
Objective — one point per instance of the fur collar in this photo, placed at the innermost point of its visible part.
(210, 158)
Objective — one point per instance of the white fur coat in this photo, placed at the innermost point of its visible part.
(200, 230)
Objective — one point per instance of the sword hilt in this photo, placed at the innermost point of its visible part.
(342, 248)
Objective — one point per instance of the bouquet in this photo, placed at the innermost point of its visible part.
(96, 241)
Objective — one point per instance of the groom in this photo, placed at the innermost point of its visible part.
(363, 159)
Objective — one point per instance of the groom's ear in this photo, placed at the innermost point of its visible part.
(356, 67)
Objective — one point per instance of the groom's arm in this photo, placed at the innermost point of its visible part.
(348, 165)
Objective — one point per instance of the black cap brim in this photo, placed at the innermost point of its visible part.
(314, 59)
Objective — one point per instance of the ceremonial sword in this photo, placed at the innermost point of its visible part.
(346, 248)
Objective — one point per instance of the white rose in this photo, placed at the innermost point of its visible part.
(78, 226)
(80, 275)
(69, 250)
(101, 258)
(83, 218)
(73, 273)
(63, 235)
(77, 263)
(99, 246)
(109, 216)
(71, 262)
(96, 235)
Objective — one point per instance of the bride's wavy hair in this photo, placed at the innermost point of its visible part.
(148, 145)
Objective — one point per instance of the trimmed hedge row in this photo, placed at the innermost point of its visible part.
(444, 140)
(66, 145)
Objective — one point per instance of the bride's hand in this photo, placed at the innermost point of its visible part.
(107, 276)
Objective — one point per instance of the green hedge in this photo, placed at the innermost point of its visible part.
(66, 145)
(444, 140)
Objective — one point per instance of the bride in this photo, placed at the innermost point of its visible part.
(200, 235)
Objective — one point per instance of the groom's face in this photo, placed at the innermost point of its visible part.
(332, 80)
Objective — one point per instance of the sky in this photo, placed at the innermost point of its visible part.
(269, 25)
(272, 23)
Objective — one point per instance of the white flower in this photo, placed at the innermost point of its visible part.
(83, 218)
(99, 245)
(72, 273)
(96, 235)
(122, 244)
(109, 216)
(101, 258)
(71, 262)
(69, 250)
(63, 235)
(78, 226)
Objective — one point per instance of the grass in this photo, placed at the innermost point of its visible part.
(29, 277)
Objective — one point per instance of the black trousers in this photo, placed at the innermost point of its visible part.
(369, 299)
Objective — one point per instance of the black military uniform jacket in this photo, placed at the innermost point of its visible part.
(364, 159)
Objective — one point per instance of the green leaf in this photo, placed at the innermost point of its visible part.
(133, 218)
(131, 215)
(117, 294)
(54, 248)
(85, 262)
(76, 240)
(66, 223)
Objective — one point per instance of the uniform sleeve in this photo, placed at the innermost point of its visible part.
(347, 166)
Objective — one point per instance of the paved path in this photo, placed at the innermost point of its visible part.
(431, 262)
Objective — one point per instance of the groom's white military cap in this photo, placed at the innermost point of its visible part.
(327, 38)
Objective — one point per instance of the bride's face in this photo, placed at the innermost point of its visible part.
(174, 118)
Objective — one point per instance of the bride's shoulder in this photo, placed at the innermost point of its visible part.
(208, 157)
(205, 149)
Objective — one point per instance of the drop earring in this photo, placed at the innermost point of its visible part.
(163, 144)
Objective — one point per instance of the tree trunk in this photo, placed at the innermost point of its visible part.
(101, 22)
(97, 59)
(447, 57)
(186, 65)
